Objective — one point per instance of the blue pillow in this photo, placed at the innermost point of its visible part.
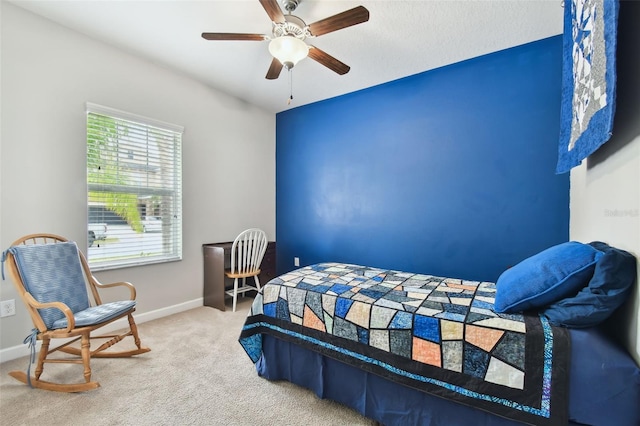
(546, 277)
(613, 277)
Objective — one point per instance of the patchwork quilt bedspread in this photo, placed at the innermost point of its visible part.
(439, 335)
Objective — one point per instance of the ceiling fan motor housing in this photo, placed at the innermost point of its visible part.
(292, 26)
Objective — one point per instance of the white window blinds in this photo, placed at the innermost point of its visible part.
(134, 189)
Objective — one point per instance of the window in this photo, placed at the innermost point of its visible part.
(134, 189)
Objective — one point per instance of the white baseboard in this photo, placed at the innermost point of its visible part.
(19, 351)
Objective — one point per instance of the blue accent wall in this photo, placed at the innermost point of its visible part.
(450, 172)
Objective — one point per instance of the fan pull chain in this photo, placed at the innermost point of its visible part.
(290, 87)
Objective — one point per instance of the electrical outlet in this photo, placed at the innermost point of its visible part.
(7, 308)
(296, 261)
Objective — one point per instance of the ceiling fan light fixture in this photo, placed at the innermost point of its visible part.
(289, 50)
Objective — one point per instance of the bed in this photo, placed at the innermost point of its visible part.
(405, 348)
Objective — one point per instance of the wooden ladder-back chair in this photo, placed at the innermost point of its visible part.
(52, 276)
(247, 252)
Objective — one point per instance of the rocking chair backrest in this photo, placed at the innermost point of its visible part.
(52, 273)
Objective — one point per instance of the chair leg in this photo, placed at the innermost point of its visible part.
(235, 293)
(255, 277)
(86, 356)
(44, 351)
(134, 331)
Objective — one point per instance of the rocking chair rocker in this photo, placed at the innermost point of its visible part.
(51, 276)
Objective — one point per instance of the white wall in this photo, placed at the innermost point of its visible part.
(605, 189)
(48, 73)
(605, 201)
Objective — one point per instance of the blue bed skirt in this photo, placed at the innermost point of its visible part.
(604, 386)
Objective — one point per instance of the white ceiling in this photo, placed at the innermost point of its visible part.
(401, 38)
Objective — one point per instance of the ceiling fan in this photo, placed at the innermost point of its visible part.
(287, 43)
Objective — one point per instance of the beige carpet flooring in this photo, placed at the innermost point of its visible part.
(196, 374)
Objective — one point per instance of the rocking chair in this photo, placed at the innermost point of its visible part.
(51, 276)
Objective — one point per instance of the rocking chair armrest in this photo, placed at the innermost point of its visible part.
(71, 322)
(132, 289)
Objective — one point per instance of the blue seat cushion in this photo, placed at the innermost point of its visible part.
(97, 314)
(52, 273)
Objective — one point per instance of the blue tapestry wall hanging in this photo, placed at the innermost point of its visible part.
(588, 79)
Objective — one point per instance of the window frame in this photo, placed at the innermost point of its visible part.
(162, 191)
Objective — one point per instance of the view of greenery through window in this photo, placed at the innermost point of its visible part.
(134, 191)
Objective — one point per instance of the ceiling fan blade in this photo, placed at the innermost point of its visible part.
(273, 10)
(234, 36)
(274, 69)
(354, 16)
(328, 61)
